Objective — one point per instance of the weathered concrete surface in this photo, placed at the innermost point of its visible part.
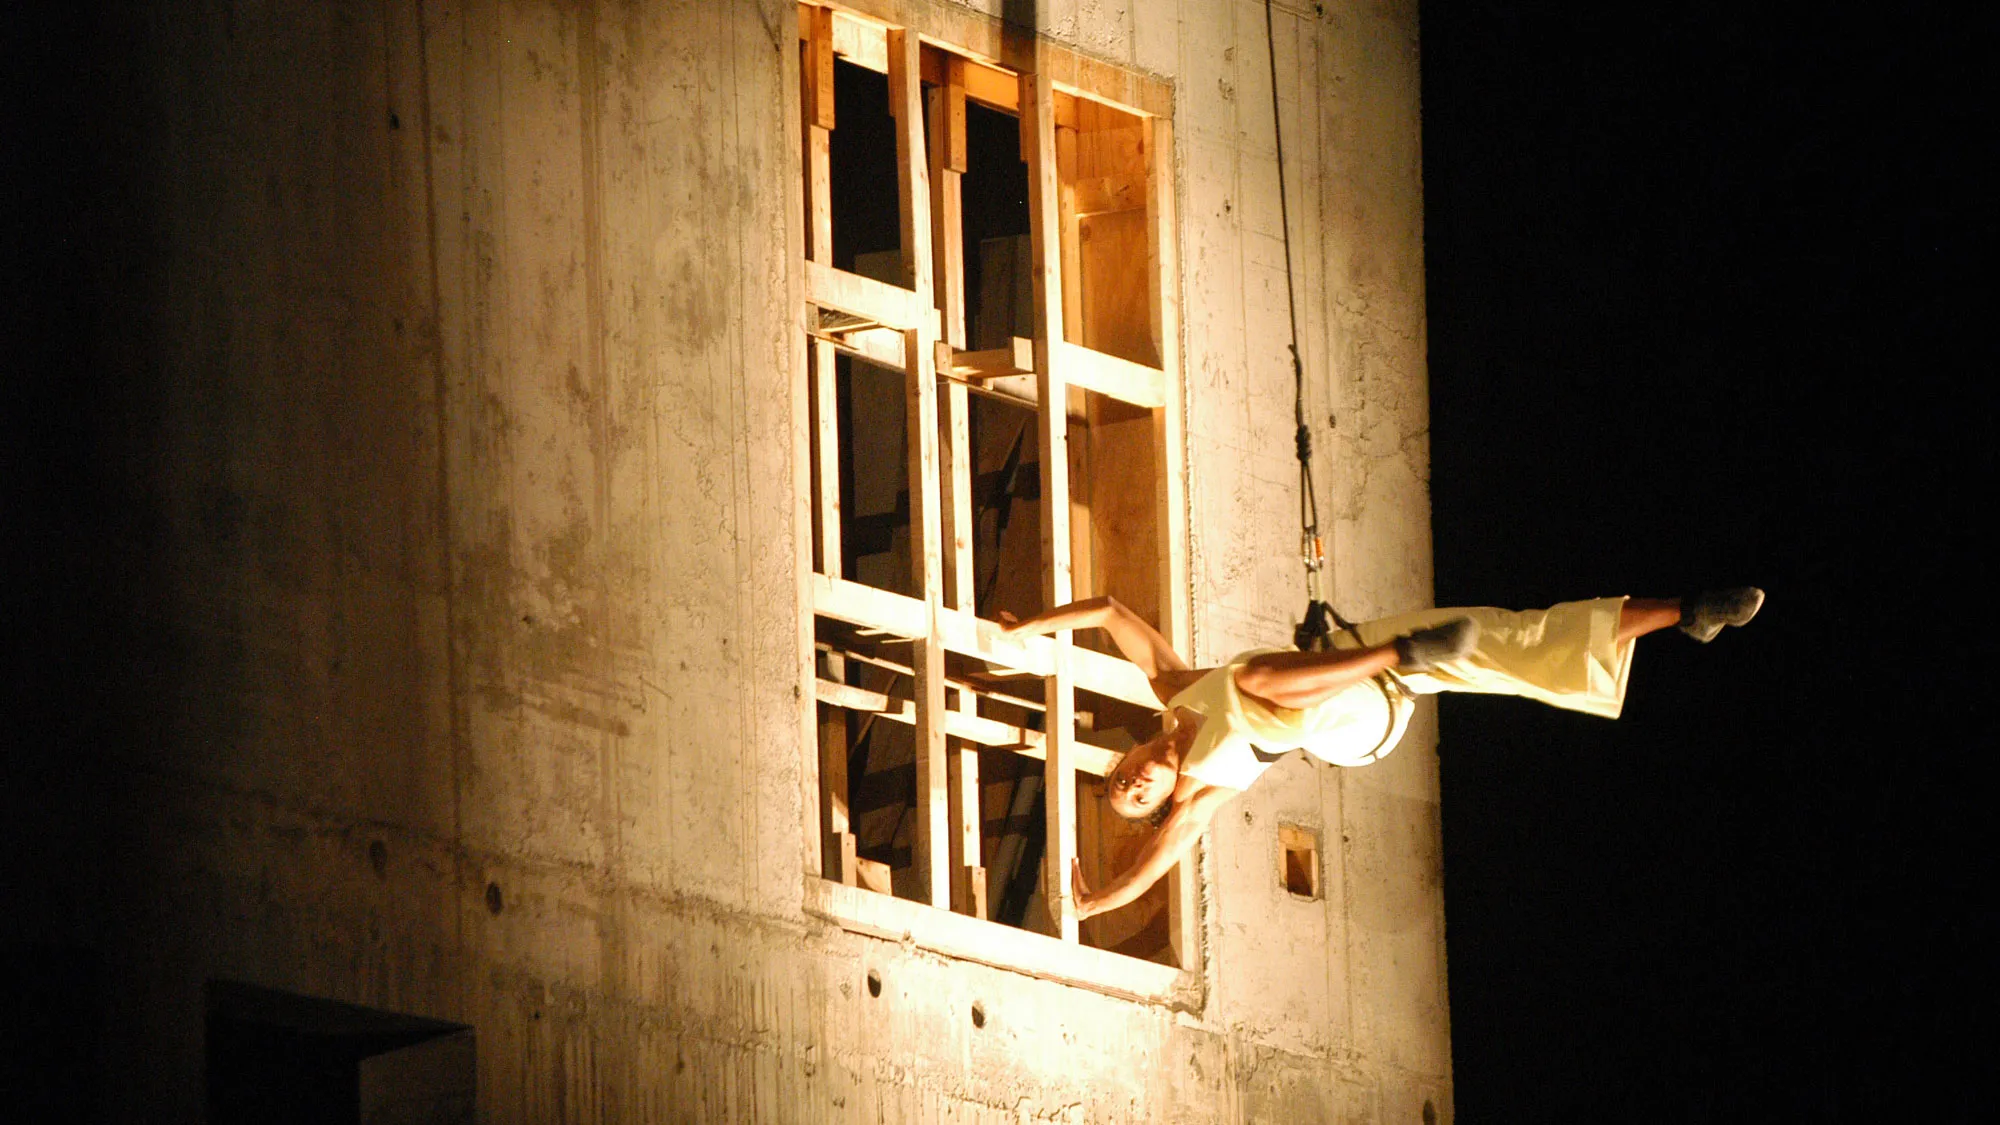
(452, 354)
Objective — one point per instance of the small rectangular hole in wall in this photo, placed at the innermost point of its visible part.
(1298, 860)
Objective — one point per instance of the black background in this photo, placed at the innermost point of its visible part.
(1709, 304)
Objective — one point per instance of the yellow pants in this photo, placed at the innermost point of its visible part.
(1567, 655)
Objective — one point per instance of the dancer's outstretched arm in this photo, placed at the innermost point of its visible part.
(1184, 825)
(1139, 642)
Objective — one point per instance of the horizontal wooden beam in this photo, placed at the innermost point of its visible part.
(1109, 375)
(980, 685)
(1017, 358)
(988, 85)
(1093, 760)
(861, 42)
(875, 303)
(901, 616)
(881, 346)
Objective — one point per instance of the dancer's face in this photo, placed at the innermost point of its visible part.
(1141, 780)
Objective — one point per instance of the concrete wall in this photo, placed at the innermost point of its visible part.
(434, 636)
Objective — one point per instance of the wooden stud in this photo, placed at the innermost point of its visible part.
(930, 849)
(1072, 262)
(819, 195)
(836, 829)
(967, 892)
(1170, 501)
(815, 806)
(816, 25)
(1044, 224)
(947, 164)
(816, 82)
(825, 407)
(954, 118)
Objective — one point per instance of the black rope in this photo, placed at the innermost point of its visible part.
(1315, 630)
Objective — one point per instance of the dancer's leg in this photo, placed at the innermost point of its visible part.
(1640, 616)
(1301, 679)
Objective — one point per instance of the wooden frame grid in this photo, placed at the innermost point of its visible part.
(921, 329)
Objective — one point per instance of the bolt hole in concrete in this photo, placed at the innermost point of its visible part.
(978, 1014)
(493, 901)
(378, 858)
(874, 983)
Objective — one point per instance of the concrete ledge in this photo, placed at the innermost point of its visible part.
(1001, 947)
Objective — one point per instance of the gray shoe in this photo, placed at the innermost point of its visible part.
(1704, 615)
(1424, 649)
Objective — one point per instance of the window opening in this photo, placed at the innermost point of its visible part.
(932, 349)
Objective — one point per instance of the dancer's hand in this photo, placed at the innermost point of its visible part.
(1079, 891)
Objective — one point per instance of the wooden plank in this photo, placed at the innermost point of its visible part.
(913, 197)
(1095, 194)
(836, 830)
(1170, 500)
(990, 86)
(825, 411)
(1017, 358)
(952, 85)
(947, 215)
(1044, 224)
(930, 846)
(836, 827)
(946, 151)
(880, 346)
(1072, 263)
(1094, 760)
(874, 877)
(1109, 375)
(816, 75)
(1163, 267)
(819, 195)
(900, 616)
(861, 42)
(875, 303)
(837, 834)
(968, 876)
(1117, 293)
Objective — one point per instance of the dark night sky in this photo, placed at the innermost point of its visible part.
(1703, 307)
